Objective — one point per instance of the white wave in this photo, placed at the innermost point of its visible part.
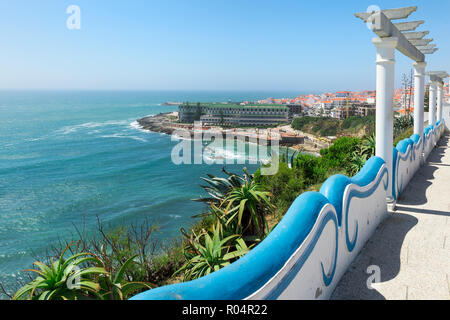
(119, 136)
(212, 154)
(71, 129)
(137, 126)
(19, 156)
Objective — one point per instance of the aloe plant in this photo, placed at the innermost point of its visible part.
(357, 162)
(55, 281)
(68, 279)
(206, 254)
(244, 206)
(368, 146)
(218, 188)
(115, 287)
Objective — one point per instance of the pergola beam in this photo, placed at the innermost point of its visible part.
(384, 28)
(415, 35)
(438, 75)
(427, 47)
(408, 26)
(391, 37)
(431, 51)
(391, 14)
(421, 42)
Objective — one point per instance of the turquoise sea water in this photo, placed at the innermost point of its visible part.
(69, 157)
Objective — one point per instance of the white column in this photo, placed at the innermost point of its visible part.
(440, 89)
(448, 93)
(385, 99)
(432, 104)
(419, 94)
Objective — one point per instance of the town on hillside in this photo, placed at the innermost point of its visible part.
(307, 122)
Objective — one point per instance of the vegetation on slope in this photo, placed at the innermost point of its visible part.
(241, 212)
(325, 127)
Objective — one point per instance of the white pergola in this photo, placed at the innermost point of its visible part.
(403, 37)
(436, 95)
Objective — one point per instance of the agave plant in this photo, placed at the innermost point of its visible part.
(218, 188)
(115, 287)
(206, 254)
(69, 279)
(368, 146)
(63, 279)
(357, 163)
(402, 123)
(245, 206)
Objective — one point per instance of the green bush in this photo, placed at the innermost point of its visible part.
(206, 254)
(285, 186)
(333, 127)
(234, 222)
(300, 123)
(79, 277)
(338, 156)
(329, 131)
(311, 167)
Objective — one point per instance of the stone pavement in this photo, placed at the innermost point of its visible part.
(411, 247)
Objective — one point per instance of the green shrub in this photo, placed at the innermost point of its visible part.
(311, 167)
(300, 123)
(285, 186)
(206, 254)
(338, 156)
(333, 127)
(244, 207)
(81, 276)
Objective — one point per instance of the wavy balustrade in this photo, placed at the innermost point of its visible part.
(308, 252)
(407, 155)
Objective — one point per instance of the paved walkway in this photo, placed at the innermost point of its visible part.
(412, 247)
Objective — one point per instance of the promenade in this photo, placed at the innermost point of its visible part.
(411, 247)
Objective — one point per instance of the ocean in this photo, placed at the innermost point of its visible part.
(70, 157)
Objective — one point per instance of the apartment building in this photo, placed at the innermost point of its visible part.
(234, 114)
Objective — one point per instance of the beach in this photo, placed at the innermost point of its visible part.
(167, 123)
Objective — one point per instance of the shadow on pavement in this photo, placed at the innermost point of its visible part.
(384, 248)
(415, 192)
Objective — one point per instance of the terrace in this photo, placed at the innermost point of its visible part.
(380, 234)
(412, 246)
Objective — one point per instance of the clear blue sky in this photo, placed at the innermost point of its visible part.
(201, 44)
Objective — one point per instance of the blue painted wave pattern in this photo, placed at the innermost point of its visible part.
(327, 277)
(246, 276)
(334, 189)
(405, 155)
(310, 211)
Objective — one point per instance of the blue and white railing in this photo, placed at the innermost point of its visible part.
(309, 251)
(408, 155)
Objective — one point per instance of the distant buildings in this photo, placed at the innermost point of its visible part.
(224, 114)
(273, 111)
(360, 109)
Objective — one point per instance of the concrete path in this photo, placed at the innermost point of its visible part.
(412, 247)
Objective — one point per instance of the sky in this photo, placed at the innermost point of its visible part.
(307, 46)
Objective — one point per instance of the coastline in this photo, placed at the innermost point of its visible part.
(167, 123)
